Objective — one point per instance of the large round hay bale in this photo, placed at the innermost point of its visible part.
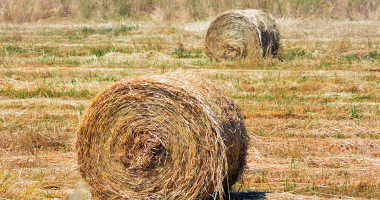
(163, 136)
(239, 34)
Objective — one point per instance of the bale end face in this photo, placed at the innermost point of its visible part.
(170, 136)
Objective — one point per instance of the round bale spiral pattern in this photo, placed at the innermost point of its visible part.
(167, 136)
(240, 34)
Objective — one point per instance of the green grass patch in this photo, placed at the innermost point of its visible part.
(116, 31)
(47, 92)
(188, 53)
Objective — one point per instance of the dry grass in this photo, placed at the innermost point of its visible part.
(312, 114)
(18, 11)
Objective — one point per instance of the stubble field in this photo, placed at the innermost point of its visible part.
(312, 113)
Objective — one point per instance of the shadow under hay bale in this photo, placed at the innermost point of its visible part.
(247, 195)
(236, 34)
(164, 136)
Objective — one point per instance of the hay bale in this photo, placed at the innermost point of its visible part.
(239, 34)
(170, 136)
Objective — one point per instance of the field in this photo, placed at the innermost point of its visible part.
(312, 113)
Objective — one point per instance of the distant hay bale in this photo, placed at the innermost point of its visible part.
(163, 136)
(242, 34)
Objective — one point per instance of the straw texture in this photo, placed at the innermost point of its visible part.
(163, 136)
(239, 34)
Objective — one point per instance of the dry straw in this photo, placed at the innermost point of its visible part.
(163, 136)
(242, 34)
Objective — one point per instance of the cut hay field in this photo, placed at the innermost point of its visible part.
(312, 114)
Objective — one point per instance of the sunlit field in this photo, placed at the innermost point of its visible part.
(312, 113)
